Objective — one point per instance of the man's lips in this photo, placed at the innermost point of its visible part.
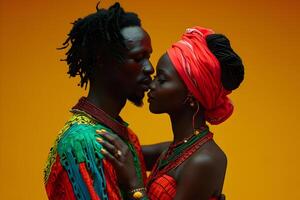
(145, 83)
(144, 87)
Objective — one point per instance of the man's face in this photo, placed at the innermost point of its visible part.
(136, 69)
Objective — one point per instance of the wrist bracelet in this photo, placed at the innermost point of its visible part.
(138, 193)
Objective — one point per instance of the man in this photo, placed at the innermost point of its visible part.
(110, 51)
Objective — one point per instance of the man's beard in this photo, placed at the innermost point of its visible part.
(136, 100)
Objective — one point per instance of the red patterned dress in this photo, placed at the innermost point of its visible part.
(161, 186)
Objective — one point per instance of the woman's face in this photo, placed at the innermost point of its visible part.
(167, 90)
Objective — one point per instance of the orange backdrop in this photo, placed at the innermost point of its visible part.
(261, 139)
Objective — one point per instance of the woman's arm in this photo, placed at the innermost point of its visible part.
(152, 152)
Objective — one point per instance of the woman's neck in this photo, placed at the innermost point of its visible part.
(182, 123)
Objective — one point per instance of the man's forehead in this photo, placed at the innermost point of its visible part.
(133, 34)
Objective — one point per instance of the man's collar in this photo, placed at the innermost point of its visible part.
(119, 128)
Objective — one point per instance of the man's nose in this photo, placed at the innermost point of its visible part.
(148, 68)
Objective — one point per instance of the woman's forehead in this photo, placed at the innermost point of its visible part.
(165, 65)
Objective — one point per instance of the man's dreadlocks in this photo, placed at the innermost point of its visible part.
(97, 37)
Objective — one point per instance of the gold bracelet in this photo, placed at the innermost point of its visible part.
(138, 193)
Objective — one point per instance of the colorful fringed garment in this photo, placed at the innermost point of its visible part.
(76, 169)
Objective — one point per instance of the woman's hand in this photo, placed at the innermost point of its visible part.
(118, 153)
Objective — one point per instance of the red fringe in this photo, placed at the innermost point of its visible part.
(88, 181)
(59, 186)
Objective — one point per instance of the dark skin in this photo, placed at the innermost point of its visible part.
(110, 87)
(152, 152)
(113, 83)
(202, 175)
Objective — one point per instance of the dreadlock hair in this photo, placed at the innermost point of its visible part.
(232, 68)
(97, 37)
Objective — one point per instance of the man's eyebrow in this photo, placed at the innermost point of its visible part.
(141, 51)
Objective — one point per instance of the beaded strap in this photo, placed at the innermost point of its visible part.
(163, 165)
(175, 151)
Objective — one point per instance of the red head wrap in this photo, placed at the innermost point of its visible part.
(201, 72)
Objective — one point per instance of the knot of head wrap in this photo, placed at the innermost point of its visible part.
(201, 72)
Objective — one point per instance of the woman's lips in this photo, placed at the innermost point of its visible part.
(150, 97)
(149, 100)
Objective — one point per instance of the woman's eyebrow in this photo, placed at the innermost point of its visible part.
(162, 72)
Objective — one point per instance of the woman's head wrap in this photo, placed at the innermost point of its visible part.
(201, 72)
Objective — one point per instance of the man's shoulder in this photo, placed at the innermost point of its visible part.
(80, 123)
(79, 137)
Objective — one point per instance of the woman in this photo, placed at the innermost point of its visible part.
(192, 82)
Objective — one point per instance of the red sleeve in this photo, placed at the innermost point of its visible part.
(88, 181)
(135, 141)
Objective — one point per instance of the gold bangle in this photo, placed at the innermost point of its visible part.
(138, 193)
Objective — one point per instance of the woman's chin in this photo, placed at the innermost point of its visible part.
(154, 110)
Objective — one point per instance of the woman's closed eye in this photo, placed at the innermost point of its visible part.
(160, 79)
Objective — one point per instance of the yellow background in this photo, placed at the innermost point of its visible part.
(261, 139)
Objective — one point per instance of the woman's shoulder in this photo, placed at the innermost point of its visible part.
(210, 155)
(210, 160)
(204, 171)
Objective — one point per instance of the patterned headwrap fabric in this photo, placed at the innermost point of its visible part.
(201, 72)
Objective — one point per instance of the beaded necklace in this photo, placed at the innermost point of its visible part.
(177, 153)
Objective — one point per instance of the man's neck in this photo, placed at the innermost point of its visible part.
(107, 101)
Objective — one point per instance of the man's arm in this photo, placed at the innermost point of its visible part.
(81, 158)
